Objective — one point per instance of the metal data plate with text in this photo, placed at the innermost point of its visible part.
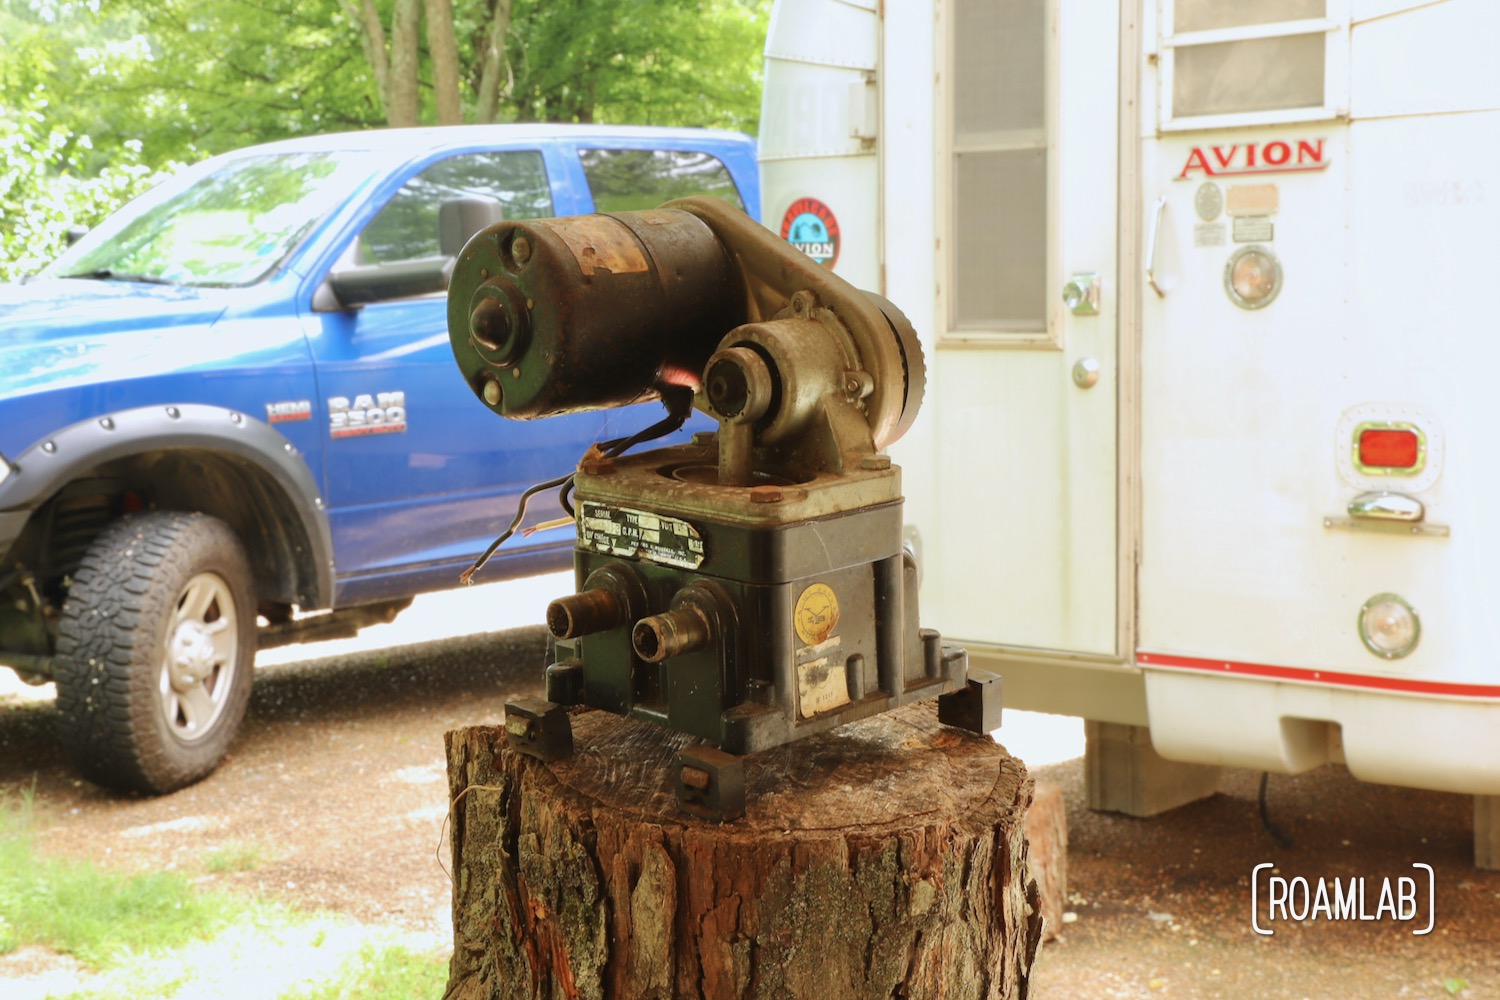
(639, 534)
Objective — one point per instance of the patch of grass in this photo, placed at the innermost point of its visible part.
(74, 908)
(390, 972)
(158, 935)
(234, 856)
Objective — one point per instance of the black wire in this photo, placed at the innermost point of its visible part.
(515, 523)
(679, 403)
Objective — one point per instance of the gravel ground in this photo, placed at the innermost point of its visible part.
(338, 779)
(1163, 905)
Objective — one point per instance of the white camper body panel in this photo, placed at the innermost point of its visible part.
(1171, 543)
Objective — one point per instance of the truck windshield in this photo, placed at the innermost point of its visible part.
(231, 226)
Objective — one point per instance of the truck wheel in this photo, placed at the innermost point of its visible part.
(155, 651)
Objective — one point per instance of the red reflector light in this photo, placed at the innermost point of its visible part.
(1389, 449)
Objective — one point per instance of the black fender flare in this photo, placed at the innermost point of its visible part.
(47, 466)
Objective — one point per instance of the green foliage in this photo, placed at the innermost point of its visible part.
(98, 96)
(385, 973)
(155, 935)
(45, 187)
(640, 62)
(74, 908)
(234, 856)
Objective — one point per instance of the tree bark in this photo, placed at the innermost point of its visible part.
(443, 47)
(1047, 850)
(363, 15)
(403, 107)
(883, 859)
(494, 63)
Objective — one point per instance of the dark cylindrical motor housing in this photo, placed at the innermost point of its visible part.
(590, 312)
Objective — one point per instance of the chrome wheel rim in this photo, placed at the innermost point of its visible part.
(199, 660)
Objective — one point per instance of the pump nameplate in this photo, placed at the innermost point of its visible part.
(639, 534)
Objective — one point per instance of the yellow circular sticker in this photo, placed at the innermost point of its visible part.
(816, 614)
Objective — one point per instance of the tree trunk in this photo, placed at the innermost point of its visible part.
(366, 19)
(495, 64)
(403, 107)
(443, 46)
(883, 859)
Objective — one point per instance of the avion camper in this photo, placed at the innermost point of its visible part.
(1207, 295)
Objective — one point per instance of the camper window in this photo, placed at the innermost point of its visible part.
(1227, 62)
(999, 119)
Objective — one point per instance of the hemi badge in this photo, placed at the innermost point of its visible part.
(292, 409)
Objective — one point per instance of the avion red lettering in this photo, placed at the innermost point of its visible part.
(1275, 157)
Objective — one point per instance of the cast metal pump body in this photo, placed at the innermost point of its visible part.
(751, 587)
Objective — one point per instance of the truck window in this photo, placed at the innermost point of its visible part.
(998, 254)
(1231, 58)
(628, 180)
(232, 226)
(407, 227)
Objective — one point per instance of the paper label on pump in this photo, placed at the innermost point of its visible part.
(816, 613)
(639, 534)
(821, 687)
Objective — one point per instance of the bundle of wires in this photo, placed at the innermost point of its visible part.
(679, 403)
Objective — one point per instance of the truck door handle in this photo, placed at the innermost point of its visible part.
(1161, 204)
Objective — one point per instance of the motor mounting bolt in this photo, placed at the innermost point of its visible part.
(520, 249)
(491, 391)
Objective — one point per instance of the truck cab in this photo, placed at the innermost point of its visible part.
(230, 416)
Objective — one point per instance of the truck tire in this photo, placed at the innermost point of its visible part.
(155, 652)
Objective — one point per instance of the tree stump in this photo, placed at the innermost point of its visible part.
(886, 858)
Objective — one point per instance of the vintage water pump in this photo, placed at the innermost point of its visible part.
(751, 587)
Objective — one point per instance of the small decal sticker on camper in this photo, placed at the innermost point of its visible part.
(1209, 201)
(1253, 199)
(1253, 229)
(810, 226)
(289, 410)
(1208, 234)
(380, 413)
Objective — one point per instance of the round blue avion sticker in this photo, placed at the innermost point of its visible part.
(809, 225)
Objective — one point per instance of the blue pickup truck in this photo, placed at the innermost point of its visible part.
(230, 417)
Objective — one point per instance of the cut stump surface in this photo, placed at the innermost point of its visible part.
(886, 858)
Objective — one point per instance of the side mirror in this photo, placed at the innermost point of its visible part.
(357, 286)
(458, 220)
(461, 218)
